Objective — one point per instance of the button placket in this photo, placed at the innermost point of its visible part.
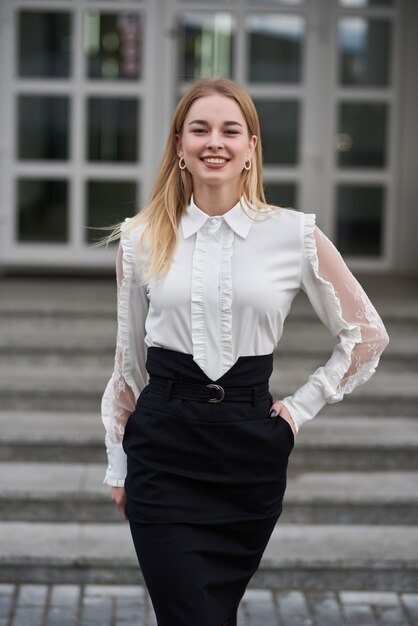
(212, 296)
(214, 225)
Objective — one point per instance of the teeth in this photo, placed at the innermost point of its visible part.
(214, 160)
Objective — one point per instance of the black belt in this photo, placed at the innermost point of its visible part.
(208, 393)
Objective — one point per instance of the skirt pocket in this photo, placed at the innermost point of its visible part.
(288, 429)
(189, 470)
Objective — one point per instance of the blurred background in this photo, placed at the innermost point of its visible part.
(88, 88)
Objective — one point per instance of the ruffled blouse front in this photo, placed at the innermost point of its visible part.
(227, 293)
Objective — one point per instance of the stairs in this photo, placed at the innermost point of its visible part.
(351, 506)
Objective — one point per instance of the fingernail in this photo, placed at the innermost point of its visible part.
(273, 413)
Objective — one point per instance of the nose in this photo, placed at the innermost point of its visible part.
(214, 141)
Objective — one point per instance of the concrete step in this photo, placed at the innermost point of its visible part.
(76, 399)
(394, 296)
(45, 332)
(297, 556)
(84, 371)
(312, 338)
(357, 442)
(351, 498)
(325, 443)
(73, 334)
(57, 296)
(61, 492)
(52, 436)
(23, 371)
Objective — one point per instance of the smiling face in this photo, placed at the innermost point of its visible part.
(215, 142)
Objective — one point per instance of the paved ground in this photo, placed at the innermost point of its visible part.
(93, 605)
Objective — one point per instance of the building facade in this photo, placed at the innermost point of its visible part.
(88, 89)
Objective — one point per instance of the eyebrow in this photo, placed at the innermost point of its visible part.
(205, 123)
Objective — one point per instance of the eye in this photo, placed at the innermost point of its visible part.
(232, 132)
(198, 130)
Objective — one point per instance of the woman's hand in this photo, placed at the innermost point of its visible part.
(284, 413)
(119, 498)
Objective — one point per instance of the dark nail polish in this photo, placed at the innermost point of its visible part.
(273, 413)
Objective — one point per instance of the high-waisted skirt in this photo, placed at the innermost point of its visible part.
(205, 484)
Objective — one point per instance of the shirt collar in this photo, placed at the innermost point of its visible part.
(194, 218)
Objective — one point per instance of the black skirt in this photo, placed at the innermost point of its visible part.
(204, 487)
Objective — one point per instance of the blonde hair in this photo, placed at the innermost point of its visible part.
(173, 187)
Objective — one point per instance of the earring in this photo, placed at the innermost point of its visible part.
(249, 164)
(182, 166)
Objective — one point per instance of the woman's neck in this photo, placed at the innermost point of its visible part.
(215, 202)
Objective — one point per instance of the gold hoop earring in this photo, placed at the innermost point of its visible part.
(249, 164)
(180, 163)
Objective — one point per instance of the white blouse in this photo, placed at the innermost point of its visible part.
(227, 293)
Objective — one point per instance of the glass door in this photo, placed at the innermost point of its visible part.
(322, 76)
(76, 112)
(262, 45)
(90, 87)
(366, 122)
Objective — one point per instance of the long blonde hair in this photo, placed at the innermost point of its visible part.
(173, 187)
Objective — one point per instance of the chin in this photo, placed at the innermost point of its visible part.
(215, 182)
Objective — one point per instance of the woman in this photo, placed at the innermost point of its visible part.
(197, 446)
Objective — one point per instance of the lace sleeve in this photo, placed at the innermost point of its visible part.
(343, 306)
(129, 373)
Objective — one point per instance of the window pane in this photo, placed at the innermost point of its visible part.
(112, 43)
(275, 47)
(205, 45)
(279, 131)
(113, 129)
(361, 141)
(281, 194)
(43, 127)
(42, 210)
(44, 44)
(366, 3)
(108, 203)
(359, 220)
(364, 51)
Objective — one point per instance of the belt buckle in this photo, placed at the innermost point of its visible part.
(218, 388)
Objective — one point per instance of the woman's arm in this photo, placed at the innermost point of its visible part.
(129, 375)
(343, 306)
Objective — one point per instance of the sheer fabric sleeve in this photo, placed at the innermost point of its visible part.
(129, 375)
(344, 308)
